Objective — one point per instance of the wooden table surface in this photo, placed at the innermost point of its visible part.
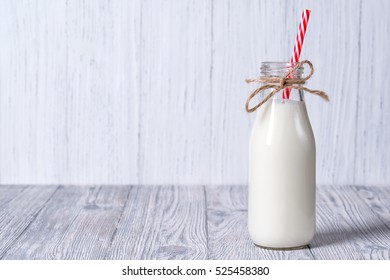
(179, 222)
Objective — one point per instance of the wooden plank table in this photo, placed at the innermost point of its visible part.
(179, 222)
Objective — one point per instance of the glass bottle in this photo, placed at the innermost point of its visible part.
(282, 179)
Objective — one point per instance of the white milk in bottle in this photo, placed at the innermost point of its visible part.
(282, 180)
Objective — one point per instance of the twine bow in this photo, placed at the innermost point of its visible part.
(279, 83)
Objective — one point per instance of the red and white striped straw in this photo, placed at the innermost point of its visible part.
(298, 44)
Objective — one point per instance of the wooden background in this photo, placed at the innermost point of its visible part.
(153, 92)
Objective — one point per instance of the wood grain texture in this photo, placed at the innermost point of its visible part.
(18, 214)
(174, 103)
(347, 228)
(8, 193)
(69, 84)
(378, 200)
(372, 156)
(162, 223)
(227, 228)
(153, 92)
(332, 40)
(77, 223)
(179, 222)
(235, 57)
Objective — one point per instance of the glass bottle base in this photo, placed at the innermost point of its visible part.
(283, 248)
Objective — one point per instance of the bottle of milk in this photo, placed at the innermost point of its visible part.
(282, 166)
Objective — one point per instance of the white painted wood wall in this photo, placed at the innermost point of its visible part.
(153, 92)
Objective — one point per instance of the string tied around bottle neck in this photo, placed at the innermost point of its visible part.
(280, 83)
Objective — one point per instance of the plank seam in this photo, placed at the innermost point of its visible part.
(206, 222)
(358, 91)
(211, 75)
(140, 82)
(311, 252)
(118, 222)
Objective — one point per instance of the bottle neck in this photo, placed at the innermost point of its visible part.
(281, 69)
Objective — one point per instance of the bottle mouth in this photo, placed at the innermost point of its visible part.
(279, 69)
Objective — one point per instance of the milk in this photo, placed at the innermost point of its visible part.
(281, 191)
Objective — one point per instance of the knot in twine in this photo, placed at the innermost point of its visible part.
(279, 83)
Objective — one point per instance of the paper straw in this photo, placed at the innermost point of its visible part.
(298, 44)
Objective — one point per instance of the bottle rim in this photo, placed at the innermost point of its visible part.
(279, 69)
